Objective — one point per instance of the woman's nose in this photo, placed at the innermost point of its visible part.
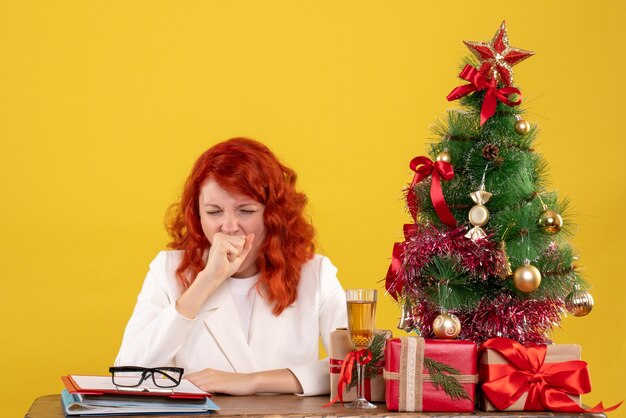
(230, 224)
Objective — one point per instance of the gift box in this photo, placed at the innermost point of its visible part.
(340, 346)
(430, 375)
(518, 378)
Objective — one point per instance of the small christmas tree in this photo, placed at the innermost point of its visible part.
(488, 252)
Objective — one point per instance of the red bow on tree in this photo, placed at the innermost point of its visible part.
(478, 81)
(424, 167)
(547, 384)
(394, 281)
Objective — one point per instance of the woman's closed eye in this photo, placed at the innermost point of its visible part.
(242, 211)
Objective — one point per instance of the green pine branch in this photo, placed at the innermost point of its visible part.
(443, 378)
(448, 284)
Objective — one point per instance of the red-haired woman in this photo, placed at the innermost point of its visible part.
(241, 301)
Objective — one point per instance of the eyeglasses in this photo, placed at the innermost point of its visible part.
(133, 376)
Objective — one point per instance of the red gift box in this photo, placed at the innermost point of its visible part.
(410, 387)
(494, 367)
(533, 378)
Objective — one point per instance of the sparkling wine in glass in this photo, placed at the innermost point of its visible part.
(361, 323)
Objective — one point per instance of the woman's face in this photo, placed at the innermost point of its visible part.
(233, 214)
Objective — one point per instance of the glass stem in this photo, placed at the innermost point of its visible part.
(360, 381)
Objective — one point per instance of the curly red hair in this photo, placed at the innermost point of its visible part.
(247, 167)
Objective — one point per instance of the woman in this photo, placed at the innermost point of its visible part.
(242, 300)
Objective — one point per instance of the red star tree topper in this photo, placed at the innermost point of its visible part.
(497, 57)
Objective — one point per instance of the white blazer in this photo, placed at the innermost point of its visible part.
(157, 335)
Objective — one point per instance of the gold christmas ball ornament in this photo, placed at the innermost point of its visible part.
(527, 278)
(551, 221)
(522, 127)
(444, 156)
(446, 326)
(579, 302)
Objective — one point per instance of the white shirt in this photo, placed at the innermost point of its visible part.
(157, 335)
(243, 295)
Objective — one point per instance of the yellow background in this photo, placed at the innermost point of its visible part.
(106, 104)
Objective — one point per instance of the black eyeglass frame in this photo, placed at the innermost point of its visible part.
(146, 372)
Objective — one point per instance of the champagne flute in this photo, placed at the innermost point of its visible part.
(361, 323)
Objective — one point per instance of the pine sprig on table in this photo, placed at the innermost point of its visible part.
(447, 382)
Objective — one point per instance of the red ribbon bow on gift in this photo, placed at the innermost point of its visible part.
(478, 81)
(423, 167)
(547, 384)
(363, 357)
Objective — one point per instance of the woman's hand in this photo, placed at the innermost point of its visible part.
(215, 381)
(269, 381)
(226, 255)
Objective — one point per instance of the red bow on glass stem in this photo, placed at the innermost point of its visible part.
(362, 357)
(423, 167)
(547, 384)
(478, 81)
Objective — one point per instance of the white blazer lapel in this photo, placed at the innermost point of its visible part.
(223, 322)
(267, 330)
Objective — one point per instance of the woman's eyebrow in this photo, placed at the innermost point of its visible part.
(237, 206)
